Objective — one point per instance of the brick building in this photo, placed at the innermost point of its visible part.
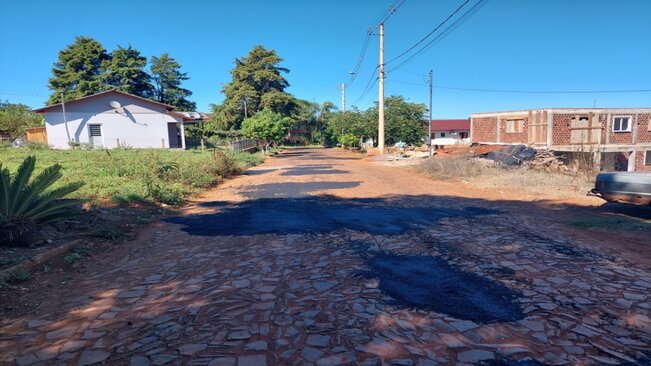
(615, 138)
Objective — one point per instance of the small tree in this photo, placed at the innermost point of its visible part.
(403, 120)
(348, 140)
(14, 118)
(267, 126)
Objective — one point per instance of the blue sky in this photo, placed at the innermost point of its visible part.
(551, 45)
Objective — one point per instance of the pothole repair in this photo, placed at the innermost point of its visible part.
(430, 283)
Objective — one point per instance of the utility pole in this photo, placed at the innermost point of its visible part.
(343, 97)
(65, 120)
(429, 122)
(380, 139)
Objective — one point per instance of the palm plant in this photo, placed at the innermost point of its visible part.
(25, 202)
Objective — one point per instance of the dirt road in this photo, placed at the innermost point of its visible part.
(320, 257)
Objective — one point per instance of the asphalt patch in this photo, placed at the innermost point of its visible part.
(432, 284)
(284, 216)
(318, 169)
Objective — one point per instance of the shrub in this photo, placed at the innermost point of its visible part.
(348, 140)
(26, 202)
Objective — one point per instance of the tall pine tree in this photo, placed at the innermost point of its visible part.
(125, 71)
(76, 73)
(167, 76)
(258, 83)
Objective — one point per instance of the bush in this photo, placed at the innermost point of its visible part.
(348, 140)
(27, 202)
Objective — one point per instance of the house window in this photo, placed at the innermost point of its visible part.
(514, 125)
(442, 134)
(647, 157)
(622, 124)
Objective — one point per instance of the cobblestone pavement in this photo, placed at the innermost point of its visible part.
(264, 272)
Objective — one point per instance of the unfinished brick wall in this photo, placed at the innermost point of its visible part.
(511, 137)
(561, 132)
(603, 122)
(484, 129)
(643, 128)
(639, 163)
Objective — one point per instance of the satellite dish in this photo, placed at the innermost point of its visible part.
(115, 104)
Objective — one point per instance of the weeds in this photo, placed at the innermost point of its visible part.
(15, 277)
(611, 223)
(453, 167)
(72, 257)
(124, 175)
(485, 175)
(76, 254)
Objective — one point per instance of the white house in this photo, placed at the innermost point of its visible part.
(113, 119)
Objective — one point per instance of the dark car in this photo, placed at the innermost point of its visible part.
(627, 187)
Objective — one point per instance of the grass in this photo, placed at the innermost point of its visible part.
(485, 175)
(611, 223)
(125, 176)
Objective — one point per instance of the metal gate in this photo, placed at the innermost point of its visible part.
(95, 132)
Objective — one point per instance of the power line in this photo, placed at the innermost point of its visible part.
(407, 82)
(546, 91)
(369, 85)
(528, 91)
(392, 10)
(430, 33)
(465, 16)
(360, 60)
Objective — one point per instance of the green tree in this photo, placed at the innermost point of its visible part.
(267, 126)
(14, 118)
(76, 73)
(403, 121)
(167, 76)
(355, 123)
(253, 77)
(125, 71)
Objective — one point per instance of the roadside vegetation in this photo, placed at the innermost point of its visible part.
(27, 200)
(485, 174)
(123, 176)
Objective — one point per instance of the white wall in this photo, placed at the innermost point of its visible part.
(137, 124)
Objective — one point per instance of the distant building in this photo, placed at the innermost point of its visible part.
(113, 119)
(619, 139)
(450, 132)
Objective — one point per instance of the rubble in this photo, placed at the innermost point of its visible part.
(527, 156)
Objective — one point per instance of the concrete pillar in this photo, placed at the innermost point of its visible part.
(182, 127)
(631, 161)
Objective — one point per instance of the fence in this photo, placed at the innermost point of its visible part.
(244, 144)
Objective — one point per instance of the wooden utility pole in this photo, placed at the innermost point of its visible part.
(380, 139)
(343, 97)
(429, 123)
(65, 120)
